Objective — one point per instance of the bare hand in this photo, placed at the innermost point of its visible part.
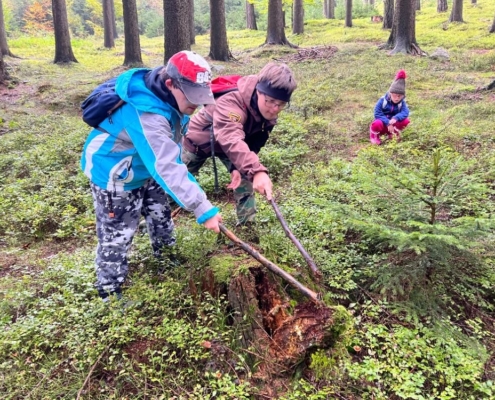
(263, 185)
(212, 223)
(235, 180)
(390, 128)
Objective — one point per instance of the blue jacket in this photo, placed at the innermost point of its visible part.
(142, 140)
(385, 109)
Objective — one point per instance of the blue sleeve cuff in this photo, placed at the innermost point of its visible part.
(207, 215)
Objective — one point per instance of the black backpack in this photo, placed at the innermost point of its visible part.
(101, 103)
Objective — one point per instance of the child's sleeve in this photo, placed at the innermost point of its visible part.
(404, 112)
(379, 114)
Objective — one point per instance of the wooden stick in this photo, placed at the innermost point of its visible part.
(314, 269)
(271, 266)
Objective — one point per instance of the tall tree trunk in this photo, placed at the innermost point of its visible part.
(114, 21)
(456, 14)
(418, 5)
(348, 14)
(177, 37)
(250, 17)
(326, 8)
(492, 28)
(109, 40)
(331, 9)
(442, 6)
(131, 34)
(3, 71)
(4, 47)
(63, 47)
(403, 35)
(192, 30)
(388, 14)
(275, 32)
(219, 46)
(298, 17)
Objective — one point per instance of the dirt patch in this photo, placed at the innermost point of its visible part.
(11, 95)
(14, 261)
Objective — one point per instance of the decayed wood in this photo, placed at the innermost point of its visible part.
(314, 269)
(242, 298)
(306, 329)
(271, 266)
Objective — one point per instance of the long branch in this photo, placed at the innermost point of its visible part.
(314, 269)
(271, 266)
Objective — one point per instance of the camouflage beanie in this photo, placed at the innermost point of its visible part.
(399, 84)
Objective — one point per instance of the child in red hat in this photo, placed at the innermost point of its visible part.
(391, 111)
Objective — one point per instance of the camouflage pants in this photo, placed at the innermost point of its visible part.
(115, 232)
(243, 195)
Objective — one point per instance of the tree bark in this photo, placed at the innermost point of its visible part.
(331, 9)
(456, 14)
(388, 14)
(3, 71)
(418, 5)
(63, 47)
(109, 40)
(275, 32)
(442, 6)
(492, 28)
(4, 47)
(132, 44)
(348, 14)
(192, 30)
(219, 45)
(250, 17)
(176, 20)
(298, 17)
(403, 35)
(114, 21)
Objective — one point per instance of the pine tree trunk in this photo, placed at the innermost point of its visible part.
(331, 9)
(403, 35)
(3, 71)
(456, 14)
(492, 28)
(114, 21)
(4, 47)
(348, 14)
(109, 41)
(219, 46)
(250, 17)
(442, 6)
(177, 36)
(388, 14)
(191, 22)
(131, 34)
(298, 17)
(275, 32)
(63, 47)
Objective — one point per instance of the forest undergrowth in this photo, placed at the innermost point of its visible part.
(403, 232)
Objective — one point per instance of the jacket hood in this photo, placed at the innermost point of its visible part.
(141, 87)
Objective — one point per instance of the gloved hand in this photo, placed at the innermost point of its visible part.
(262, 184)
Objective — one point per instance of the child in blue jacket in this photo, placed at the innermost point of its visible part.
(391, 111)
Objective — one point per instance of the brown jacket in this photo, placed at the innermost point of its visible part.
(239, 128)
